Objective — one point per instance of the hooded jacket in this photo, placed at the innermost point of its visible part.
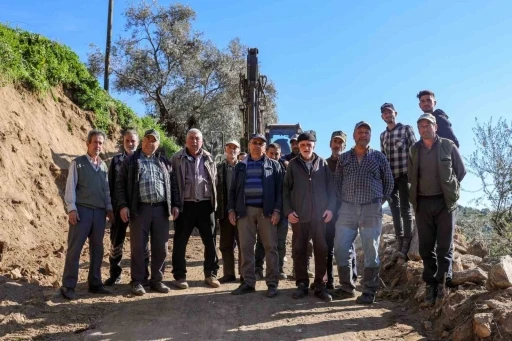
(444, 127)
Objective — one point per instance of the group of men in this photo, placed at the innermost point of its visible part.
(253, 199)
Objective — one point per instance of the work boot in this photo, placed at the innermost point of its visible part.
(258, 273)
(227, 279)
(68, 293)
(138, 290)
(430, 295)
(365, 299)
(100, 289)
(272, 291)
(112, 280)
(243, 289)
(212, 281)
(322, 294)
(341, 294)
(160, 287)
(405, 247)
(301, 292)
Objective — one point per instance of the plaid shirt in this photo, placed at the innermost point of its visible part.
(395, 144)
(152, 182)
(365, 182)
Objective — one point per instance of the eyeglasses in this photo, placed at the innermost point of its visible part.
(254, 143)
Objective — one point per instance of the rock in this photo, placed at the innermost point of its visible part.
(388, 229)
(463, 332)
(400, 261)
(471, 262)
(460, 248)
(482, 324)
(445, 335)
(49, 294)
(15, 274)
(474, 275)
(478, 248)
(414, 249)
(420, 293)
(494, 304)
(427, 325)
(505, 320)
(34, 281)
(56, 284)
(457, 264)
(49, 270)
(500, 275)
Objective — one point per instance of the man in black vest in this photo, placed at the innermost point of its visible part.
(87, 199)
(435, 170)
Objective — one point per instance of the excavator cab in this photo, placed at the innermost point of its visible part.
(281, 134)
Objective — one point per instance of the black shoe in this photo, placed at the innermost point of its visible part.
(329, 286)
(430, 294)
(227, 279)
(258, 273)
(341, 294)
(312, 286)
(365, 299)
(145, 282)
(138, 290)
(241, 279)
(160, 287)
(301, 292)
(112, 280)
(272, 291)
(68, 293)
(243, 289)
(323, 295)
(99, 290)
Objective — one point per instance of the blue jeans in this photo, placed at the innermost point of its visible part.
(367, 219)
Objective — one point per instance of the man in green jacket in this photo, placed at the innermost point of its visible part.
(309, 201)
(435, 170)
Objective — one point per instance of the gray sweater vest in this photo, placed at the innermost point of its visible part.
(90, 188)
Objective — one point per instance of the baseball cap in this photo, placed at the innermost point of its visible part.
(428, 117)
(294, 137)
(340, 134)
(153, 132)
(306, 137)
(387, 106)
(233, 142)
(258, 136)
(363, 123)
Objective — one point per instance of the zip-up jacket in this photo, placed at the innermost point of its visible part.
(272, 188)
(444, 127)
(308, 193)
(127, 183)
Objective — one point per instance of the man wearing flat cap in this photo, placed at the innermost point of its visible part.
(435, 170)
(395, 143)
(255, 205)
(228, 232)
(294, 146)
(147, 195)
(309, 201)
(363, 182)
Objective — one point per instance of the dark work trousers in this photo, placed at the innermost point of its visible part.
(150, 224)
(117, 237)
(401, 207)
(315, 229)
(310, 247)
(435, 226)
(228, 240)
(330, 233)
(195, 214)
(259, 254)
(90, 226)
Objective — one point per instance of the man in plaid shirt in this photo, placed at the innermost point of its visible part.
(363, 182)
(395, 142)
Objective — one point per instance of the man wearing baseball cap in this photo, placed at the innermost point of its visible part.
(435, 170)
(309, 201)
(363, 182)
(228, 232)
(395, 142)
(255, 205)
(294, 146)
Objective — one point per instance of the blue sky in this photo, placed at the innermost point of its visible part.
(335, 62)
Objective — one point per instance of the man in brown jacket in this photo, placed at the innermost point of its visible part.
(309, 200)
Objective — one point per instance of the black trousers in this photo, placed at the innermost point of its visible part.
(117, 237)
(401, 207)
(195, 214)
(228, 240)
(436, 227)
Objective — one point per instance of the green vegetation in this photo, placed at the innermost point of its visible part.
(39, 64)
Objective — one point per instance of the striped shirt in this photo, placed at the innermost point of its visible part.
(151, 180)
(72, 180)
(365, 182)
(395, 144)
(254, 183)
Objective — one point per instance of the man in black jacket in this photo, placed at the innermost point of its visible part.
(444, 127)
(146, 195)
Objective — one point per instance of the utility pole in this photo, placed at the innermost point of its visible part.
(107, 49)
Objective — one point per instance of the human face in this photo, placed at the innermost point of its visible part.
(257, 148)
(95, 147)
(427, 129)
(427, 103)
(337, 146)
(294, 145)
(194, 142)
(306, 149)
(150, 145)
(273, 153)
(362, 136)
(241, 156)
(231, 151)
(389, 116)
(130, 143)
